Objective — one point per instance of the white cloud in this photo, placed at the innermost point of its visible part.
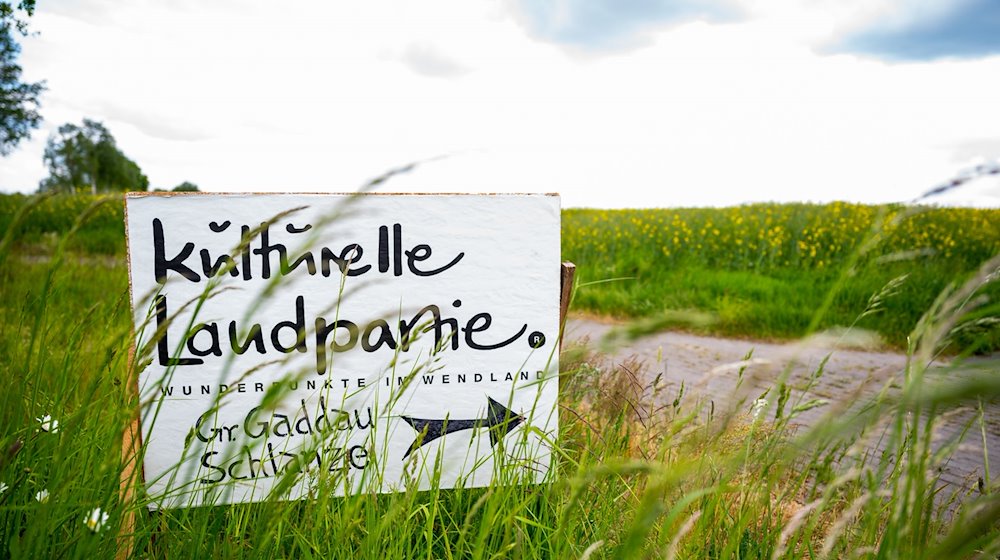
(425, 60)
(315, 97)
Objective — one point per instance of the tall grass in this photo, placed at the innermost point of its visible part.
(643, 470)
(103, 233)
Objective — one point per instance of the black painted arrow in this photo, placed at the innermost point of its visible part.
(500, 420)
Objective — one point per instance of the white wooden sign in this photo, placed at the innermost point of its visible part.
(298, 343)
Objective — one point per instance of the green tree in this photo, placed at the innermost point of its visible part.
(186, 186)
(87, 158)
(18, 100)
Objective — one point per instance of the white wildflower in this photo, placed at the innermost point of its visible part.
(758, 408)
(96, 520)
(3, 487)
(42, 496)
(48, 424)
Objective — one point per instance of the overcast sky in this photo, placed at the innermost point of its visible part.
(612, 103)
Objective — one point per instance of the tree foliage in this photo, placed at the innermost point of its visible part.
(18, 100)
(87, 159)
(186, 186)
(9, 12)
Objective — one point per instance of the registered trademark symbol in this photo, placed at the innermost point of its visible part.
(536, 340)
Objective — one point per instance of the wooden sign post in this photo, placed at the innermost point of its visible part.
(343, 343)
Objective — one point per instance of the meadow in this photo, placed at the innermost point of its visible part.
(760, 271)
(780, 270)
(643, 471)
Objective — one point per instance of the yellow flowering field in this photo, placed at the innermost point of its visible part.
(764, 270)
(769, 237)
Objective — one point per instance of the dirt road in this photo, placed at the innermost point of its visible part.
(709, 367)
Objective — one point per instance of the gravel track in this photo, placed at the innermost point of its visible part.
(709, 366)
